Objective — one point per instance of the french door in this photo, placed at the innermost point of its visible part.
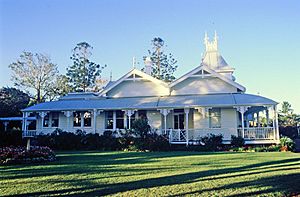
(178, 121)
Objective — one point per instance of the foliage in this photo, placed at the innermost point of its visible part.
(259, 148)
(152, 142)
(126, 139)
(157, 142)
(140, 138)
(11, 137)
(17, 155)
(62, 140)
(289, 131)
(286, 117)
(36, 72)
(287, 144)
(83, 73)
(141, 128)
(237, 141)
(12, 100)
(61, 87)
(212, 142)
(164, 64)
(286, 108)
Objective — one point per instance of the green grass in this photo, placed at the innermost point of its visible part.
(156, 174)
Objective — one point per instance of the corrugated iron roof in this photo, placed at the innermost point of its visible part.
(220, 100)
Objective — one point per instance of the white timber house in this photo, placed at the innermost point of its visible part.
(205, 100)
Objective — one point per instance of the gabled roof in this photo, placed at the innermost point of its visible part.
(134, 71)
(214, 73)
(79, 95)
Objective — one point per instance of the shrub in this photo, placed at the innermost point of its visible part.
(140, 138)
(274, 148)
(126, 138)
(108, 141)
(155, 142)
(141, 128)
(237, 141)
(61, 140)
(289, 131)
(257, 148)
(17, 155)
(12, 137)
(212, 142)
(287, 144)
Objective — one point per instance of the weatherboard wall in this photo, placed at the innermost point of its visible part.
(138, 88)
(197, 85)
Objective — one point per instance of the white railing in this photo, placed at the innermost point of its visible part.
(177, 135)
(253, 133)
(180, 135)
(29, 133)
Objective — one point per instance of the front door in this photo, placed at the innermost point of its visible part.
(178, 121)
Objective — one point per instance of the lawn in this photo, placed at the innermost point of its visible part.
(156, 174)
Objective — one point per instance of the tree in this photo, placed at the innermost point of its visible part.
(286, 116)
(36, 72)
(60, 87)
(164, 64)
(286, 108)
(83, 73)
(12, 101)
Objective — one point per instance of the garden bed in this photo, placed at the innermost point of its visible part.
(19, 155)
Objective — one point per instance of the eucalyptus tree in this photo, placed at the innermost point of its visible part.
(35, 73)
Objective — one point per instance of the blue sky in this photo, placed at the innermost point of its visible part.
(259, 38)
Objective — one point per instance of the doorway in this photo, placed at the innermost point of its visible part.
(179, 121)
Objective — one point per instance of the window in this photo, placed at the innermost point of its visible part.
(215, 118)
(120, 119)
(87, 120)
(55, 119)
(76, 119)
(142, 114)
(109, 120)
(46, 121)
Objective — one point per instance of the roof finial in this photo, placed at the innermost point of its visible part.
(215, 37)
(216, 41)
(206, 41)
(133, 62)
(206, 38)
(110, 77)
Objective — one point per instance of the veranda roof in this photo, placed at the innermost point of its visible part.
(211, 100)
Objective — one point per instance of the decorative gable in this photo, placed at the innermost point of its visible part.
(136, 83)
(204, 80)
(201, 73)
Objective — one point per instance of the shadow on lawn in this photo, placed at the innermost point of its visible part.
(287, 183)
(88, 162)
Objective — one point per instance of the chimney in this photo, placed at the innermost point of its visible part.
(148, 66)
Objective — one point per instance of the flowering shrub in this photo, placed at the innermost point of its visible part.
(17, 155)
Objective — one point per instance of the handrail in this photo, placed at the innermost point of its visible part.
(29, 133)
(251, 133)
